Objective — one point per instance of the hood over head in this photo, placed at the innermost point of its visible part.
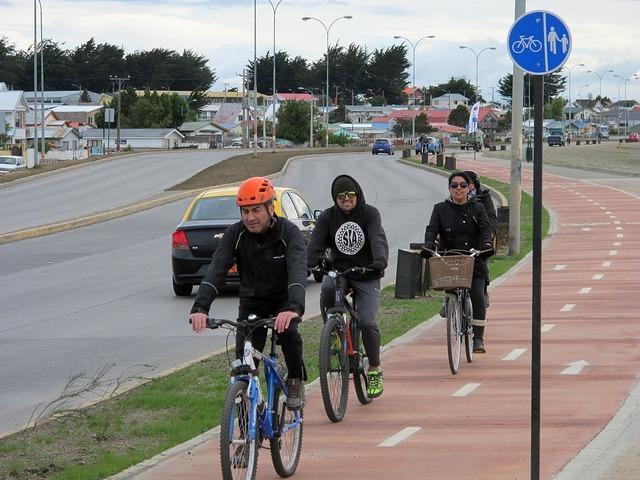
(346, 183)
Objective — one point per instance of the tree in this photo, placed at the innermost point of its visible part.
(293, 121)
(405, 125)
(454, 85)
(12, 64)
(387, 75)
(554, 109)
(91, 65)
(554, 83)
(291, 73)
(459, 116)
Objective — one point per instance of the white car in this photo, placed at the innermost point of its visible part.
(9, 163)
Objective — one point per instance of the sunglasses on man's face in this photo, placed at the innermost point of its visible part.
(454, 185)
(343, 195)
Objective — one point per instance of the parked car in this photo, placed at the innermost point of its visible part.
(234, 145)
(633, 137)
(433, 145)
(555, 140)
(382, 145)
(9, 163)
(198, 235)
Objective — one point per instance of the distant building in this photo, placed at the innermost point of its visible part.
(156, 138)
(449, 101)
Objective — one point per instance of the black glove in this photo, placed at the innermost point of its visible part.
(324, 263)
(425, 253)
(489, 248)
(376, 267)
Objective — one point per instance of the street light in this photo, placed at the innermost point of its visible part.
(326, 110)
(477, 55)
(41, 86)
(600, 75)
(570, 69)
(625, 80)
(413, 81)
(274, 98)
(311, 102)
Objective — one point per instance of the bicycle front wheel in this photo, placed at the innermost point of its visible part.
(468, 328)
(360, 367)
(334, 368)
(287, 444)
(238, 452)
(454, 334)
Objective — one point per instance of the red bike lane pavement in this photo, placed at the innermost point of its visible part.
(476, 424)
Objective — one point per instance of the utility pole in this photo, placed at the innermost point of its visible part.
(35, 84)
(515, 190)
(120, 81)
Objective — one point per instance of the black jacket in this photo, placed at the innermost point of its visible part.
(460, 227)
(356, 239)
(272, 266)
(484, 197)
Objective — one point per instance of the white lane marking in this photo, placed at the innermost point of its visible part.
(616, 222)
(547, 327)
(590, 200)
(608, 212)
(603, 208)
(620, 235)
(515, 353)
(597, 203)
(584, 290)
(618, 228)
(612, 216)
(616, 244)
(466, 390)
(613, 253)
(606, 264)
(598, 276)
(574, 368)
(587, 229)
(559, 267)
(583, 196)
(568, 307)
(403, 434)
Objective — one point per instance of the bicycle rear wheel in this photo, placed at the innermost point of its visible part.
(287, 444)
(360, 367)
(468, 328)
(334, 368)
(238, 452)
(454, 334)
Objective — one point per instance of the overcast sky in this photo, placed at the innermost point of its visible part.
(605, 33)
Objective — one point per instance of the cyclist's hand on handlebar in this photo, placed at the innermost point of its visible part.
(324, 264)
(283, 320)
(198, 322)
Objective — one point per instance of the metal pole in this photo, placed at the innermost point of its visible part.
(515, 189)
(255, 79)
(121, 81)
(537, 278)
(311, 123)
(44, 150)
(274, 99)
(35, 84)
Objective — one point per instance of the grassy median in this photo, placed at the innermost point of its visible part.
(104, 439)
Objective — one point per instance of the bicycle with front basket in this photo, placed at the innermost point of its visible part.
(341, 351)
(248, 416)
(452, 271)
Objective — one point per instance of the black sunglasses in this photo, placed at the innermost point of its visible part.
(454, 185)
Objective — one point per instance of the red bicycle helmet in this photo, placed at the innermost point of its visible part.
(255, 191)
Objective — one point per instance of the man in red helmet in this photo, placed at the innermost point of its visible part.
(270, 254)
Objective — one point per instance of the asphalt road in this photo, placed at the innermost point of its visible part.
(76, 301)
(99, 186)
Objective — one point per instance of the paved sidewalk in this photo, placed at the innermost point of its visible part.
(475, 425)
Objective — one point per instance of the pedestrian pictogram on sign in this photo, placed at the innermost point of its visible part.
(539, 42)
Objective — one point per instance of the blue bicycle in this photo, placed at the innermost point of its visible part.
(248, 417)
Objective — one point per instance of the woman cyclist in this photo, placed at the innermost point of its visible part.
(461, 223)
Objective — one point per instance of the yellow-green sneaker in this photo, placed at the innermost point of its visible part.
(375, 383)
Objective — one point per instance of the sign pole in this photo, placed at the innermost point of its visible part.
(537, 278)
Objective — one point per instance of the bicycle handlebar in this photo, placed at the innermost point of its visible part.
(471, 253)
(328, 271)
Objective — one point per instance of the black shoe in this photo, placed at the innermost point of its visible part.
(443, 311)
(295, 395)
(478, 346)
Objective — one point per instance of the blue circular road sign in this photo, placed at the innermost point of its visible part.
(539, 42)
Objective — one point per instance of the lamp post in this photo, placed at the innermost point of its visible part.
(625, 80)
(274, 98)
(477, 55)
(326, 110)
(600, 75)
(311, 105)
(44, 151)
(35, 83)
(413, 81)
(570, 69)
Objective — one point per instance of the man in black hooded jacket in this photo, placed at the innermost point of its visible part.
(353, 231)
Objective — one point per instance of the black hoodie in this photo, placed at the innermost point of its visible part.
(356, 239)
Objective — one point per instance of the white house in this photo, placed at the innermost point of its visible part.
(160, 138)
(78, 115)
(449, 101)
(13, 110)
(207, 134)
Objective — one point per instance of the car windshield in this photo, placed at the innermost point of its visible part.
(8, 160)
(216, 208)
(382, 140)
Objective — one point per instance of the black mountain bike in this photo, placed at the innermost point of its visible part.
(341, 350)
